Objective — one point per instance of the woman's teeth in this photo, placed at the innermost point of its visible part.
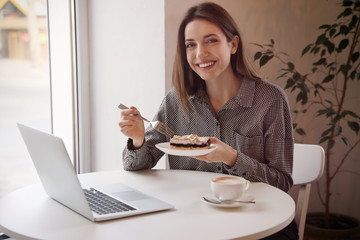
(203, 65)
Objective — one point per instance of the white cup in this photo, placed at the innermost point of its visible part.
(228, 188)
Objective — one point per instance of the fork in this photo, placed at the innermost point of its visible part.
(157, 125)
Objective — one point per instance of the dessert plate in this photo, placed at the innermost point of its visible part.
(165, 147)
(244, 197)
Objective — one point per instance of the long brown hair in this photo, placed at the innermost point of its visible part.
(184, 79)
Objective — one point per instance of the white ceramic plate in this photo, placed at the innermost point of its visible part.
(244, 197)
(165, 147)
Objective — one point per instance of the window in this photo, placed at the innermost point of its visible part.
(24, 86)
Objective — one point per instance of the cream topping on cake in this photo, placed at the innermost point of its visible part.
(189, 139)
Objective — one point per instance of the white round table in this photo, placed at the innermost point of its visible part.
(29, 213)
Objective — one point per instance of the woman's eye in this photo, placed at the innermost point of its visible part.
(212, 40)
(189, 45)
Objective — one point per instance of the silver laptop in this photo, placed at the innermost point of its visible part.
(61, 183)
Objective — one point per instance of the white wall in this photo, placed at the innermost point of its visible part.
(126, 65)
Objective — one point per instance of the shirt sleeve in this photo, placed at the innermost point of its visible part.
(278, 146)
(147, 155)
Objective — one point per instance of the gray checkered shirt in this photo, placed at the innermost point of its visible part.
(256, 122)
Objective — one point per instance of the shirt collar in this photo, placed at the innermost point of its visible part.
(244, 97)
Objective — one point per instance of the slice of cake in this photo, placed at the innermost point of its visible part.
(191, 141)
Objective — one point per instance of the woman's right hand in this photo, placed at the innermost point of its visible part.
(132, 126)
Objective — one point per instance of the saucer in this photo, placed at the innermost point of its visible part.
(244, 197)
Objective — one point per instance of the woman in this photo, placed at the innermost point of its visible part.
(216, 93)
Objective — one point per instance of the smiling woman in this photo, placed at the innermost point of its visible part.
(218, 94)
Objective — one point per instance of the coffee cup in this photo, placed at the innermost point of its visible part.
(228, 188)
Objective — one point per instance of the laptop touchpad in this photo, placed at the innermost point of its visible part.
(130, 195)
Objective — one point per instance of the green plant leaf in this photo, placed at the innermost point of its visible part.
(329, 102)
(344, 30)
(354, 126)
(317, 86)
(343, 44)
(353, 22)
(331, 143)
(291, 66)
(338, 130)
(337, 118)
(321, 39)
(353, 75)
(332, 32)
(297, 76)
(328, 78)
(264, 59)
(322, 61)
(303, 97)
(351, 113)
(282, 75)
(356, 4)
(315, 50)
(330, 46)
(346, 12)
(330, 65)
(303, 87)
(355, 57)
(300, 131)
(323, 52)
(326, 132)
(347, 3)
(290, 82)
(344, 69)
(325, 26)
(346, 141)
(328, 111)
(324, 139)
(259, 45)
(257, 55)
(306, 49)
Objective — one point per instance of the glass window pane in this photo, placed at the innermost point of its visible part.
(24, 86)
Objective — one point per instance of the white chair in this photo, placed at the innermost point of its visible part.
(308, 167)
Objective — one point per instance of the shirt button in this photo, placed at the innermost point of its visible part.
(219, 168)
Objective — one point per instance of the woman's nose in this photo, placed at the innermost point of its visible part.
(201, 51)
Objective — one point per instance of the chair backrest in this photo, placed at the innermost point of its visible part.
(308, 167)
(309, 161)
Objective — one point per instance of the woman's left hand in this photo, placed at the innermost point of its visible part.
(223, 153)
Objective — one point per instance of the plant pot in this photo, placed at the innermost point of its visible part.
(341, 227)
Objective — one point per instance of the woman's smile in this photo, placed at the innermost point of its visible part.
(206, 65)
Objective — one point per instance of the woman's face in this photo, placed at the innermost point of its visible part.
(207, 50)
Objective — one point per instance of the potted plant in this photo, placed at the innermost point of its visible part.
(324, 91)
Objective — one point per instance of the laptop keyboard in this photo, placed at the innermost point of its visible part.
(104, 204)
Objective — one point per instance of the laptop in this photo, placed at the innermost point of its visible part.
(61, 183)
